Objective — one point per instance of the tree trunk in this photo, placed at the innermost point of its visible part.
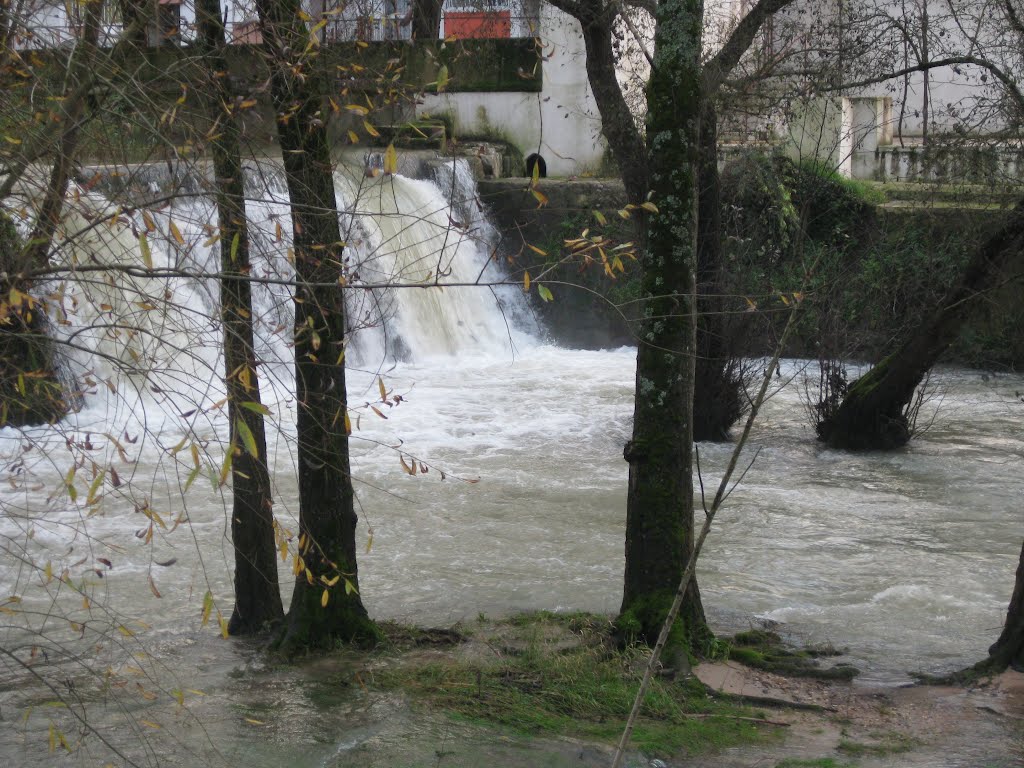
(718, 384)
(873, 414)
(326, 570)
(1009, 648)
(32, 389)
(72, 108)
(617, 125)
(426, 19)
(257, 593)
(659, 507)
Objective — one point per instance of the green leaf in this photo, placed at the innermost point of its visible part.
(147, 256)
(255, 407)
(442, 78)
(248, 441)
(191, 477)
(545, 293)
(235, 242)
(92, 498)
(225, 468)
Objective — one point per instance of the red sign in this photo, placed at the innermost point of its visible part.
(477, 24)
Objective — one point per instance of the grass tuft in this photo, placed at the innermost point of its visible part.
(562, 674)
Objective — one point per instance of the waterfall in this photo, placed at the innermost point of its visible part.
(414, 250)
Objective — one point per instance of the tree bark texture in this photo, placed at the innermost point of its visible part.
(327, 518)
(32, 389)
(718, 384)
(426, 19)
(1009, 648)
(872, 415)
(659, 512)
(257, 593)
(72, 108)
(617, 124)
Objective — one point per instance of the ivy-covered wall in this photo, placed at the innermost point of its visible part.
(877, 268)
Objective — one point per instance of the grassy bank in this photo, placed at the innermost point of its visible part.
(561, 675)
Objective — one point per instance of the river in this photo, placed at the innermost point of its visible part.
(905, 559)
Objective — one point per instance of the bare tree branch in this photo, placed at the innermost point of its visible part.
(723, 62)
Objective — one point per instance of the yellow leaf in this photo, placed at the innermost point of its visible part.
(442, 78)
(526, 282)
(751, 305)
(148, 221)
(534, 248)
(358, 109)
(252, 721)
(370, 129)
(324, 598)
(207, 607)
(542, 199)
(225, 468)
(223, 625)
(390, 159)
(649, 206)
(175, 232)
(150, 724)
(600, 218)
(383, 392)
(353, 137)
(147, 256)
(784, 299)
(125, 631)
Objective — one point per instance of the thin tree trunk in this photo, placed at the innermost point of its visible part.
(72, 108)
(617, 123)
(718, 401)
(327, 519)
(872, 415)
(257, 594)
(659, 506)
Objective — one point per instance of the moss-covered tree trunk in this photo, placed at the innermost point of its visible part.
(659, 513)
(30, 388)
(1009, 648)
(257, 593)
(30, 385)
(873, 413)
(718, 397)
(326, 605)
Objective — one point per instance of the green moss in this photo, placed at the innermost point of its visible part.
(762, 649)
(568, 678)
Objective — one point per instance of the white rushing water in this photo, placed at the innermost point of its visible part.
(905, 558)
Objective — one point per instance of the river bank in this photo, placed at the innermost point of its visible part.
(549, 690)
